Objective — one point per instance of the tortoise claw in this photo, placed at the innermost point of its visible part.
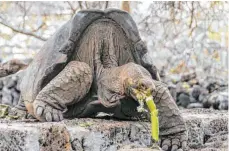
(44, 112)
(175, 142)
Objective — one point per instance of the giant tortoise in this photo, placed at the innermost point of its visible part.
(92, 64)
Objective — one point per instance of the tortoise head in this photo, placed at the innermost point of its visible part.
(138, 89)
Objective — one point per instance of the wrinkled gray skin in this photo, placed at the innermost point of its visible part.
(84, 69)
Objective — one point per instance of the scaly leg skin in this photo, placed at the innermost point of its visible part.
(68, 87)
(173, 132)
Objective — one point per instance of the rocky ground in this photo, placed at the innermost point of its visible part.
(207, 130)
(192, 91)
(9, 90)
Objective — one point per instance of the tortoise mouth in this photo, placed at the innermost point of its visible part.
(138, 89)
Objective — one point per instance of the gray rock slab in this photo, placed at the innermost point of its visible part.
(207, 130)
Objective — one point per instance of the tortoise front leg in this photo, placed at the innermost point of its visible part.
(68, 87)
(173, 132)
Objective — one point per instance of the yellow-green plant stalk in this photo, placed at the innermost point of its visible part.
(154, 118)
(146, 96)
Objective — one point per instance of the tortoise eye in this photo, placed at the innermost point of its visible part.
(142, 86)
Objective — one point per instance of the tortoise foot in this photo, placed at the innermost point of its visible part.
(175, 142)
(45, 112)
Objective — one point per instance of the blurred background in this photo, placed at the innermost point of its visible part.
(187, 41)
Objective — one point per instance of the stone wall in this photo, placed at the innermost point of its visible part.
(207, 130)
